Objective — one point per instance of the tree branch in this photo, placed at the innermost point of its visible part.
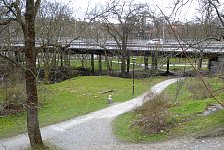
(6, 22)
(217, 12)
(188, 59)
(37, 6)
(12, 61)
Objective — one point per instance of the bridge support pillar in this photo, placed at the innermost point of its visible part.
(61, 58)
(92, 63)
(154, 61)
(128, 64)
(17, 56)
(100, 64)
(168, 65)
(216, 64)
(146, 62)
(199, 63)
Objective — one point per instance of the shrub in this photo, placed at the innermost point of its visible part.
(12, 94)
(153, 115)
(198, 90)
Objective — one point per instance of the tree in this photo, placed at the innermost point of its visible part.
(26, 20)
(211, 11)
(119, 22)
(52, 23)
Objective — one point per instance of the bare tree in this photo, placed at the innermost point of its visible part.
(211, 11)
(26, 19)
(53, 22)
(119, 23)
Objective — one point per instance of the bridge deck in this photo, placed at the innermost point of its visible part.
(140, 48)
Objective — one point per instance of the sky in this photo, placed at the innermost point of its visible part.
(184, 14)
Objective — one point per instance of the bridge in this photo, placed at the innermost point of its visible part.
(136, 47)
(211, 50)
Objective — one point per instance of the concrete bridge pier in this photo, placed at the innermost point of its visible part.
(216, 64)
(168, 65)
(199, 64)
(128, 64)
(100, 64)
(146, 60)
(154, 61)
(92, 63)
(210, 62)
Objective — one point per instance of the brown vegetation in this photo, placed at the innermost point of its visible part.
(199, 90)
(153, 116)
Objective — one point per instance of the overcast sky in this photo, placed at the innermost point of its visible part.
(186, 13)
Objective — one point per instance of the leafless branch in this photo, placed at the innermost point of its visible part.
(12, 61)
(188, 59)
(217, 12)
(37, 6)
(6, 22)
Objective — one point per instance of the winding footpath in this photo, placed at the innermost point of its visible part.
(93, 131)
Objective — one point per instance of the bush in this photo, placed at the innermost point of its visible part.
(153, 116)
(198, 90)
(12, 94)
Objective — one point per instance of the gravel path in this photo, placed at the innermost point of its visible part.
(93, 132)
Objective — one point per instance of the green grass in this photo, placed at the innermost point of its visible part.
(76, 63)
(183, 68)
(87, 64)
(178, 68)
(185, 60)
(200, 126)
(115, 65)
(184, 115)
(74, 97)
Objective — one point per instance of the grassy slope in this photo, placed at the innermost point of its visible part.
(74, 97)
(184, 114)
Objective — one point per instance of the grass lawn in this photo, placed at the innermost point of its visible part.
(74, 97)
(87, 64)
(182, 68)
(190, 100)
(116, 65)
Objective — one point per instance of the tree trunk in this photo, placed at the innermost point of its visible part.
(30, 76)
(46, 67)
(32, 100)
(123, 66)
